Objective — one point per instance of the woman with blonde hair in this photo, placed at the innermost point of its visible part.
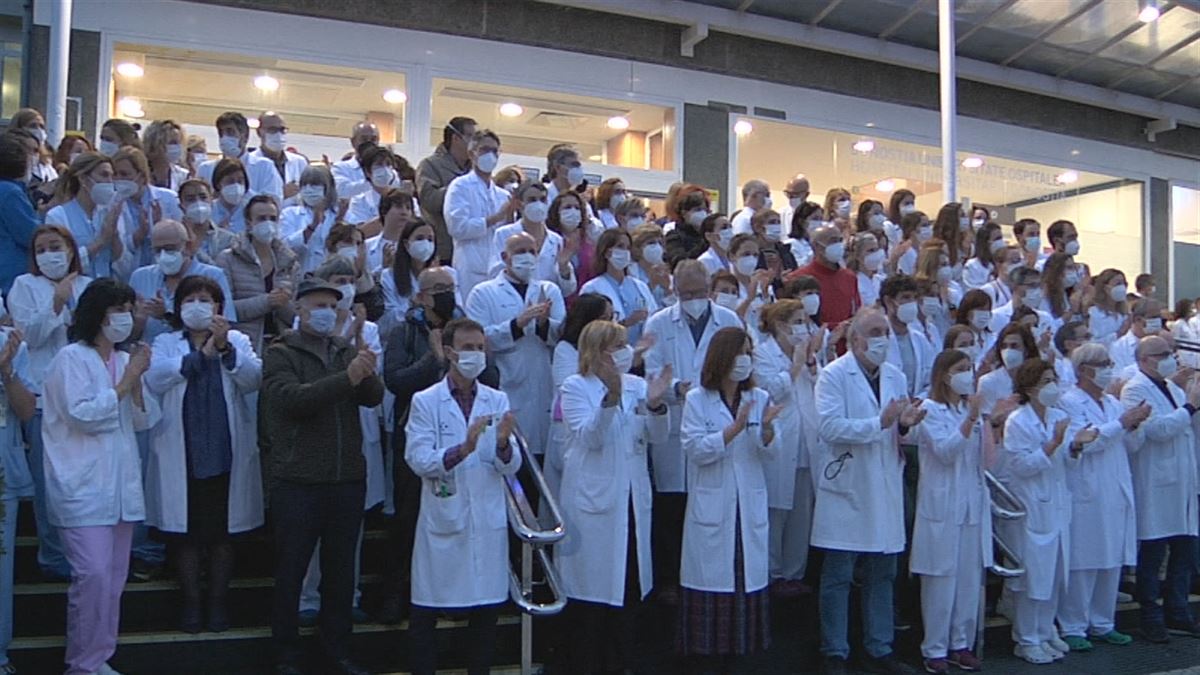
(145, 204)
(91, 209)
(163, 144)
(1107, 310)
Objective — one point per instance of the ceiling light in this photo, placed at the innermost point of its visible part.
(266, 83)
(743, 127)
(1074, 153)
(972, 162)
(130, 107)
(1149, 11)
(864, 146)
(395, 96)
(870, 125)
(253, 123)
(1067, 177)
(885, 185)
(511, 109)
(130, 69)
(594, 158)
(619, 122)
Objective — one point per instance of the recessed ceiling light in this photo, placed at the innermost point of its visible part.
(1149, 11)
(743, 127)
(620, 122)
(972, 162)
(595, 158)
(885, 185)
(130, 69)
(395, 96)
(511, 109)
(131, 107)
(266, 83)
(864, 146)
(870, 125)
(1067, 177)
(1074, 153)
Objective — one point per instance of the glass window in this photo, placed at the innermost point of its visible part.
(10, 79)
(317, 101)
(1185, 214)
(529, 122)
(1106, 209)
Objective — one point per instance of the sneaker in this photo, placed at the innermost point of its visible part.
(937, 666)
(1123, 598)
(1156, 633)
(1190, 629)
(308, 618)
(833, 665)
(1113, 637)
(1077, 644)
(1033, 654)
(1058, 645)
(965, 659)
(1053, 653)
(141, 571)
(886, 665)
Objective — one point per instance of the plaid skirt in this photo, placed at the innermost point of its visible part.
(724, 624)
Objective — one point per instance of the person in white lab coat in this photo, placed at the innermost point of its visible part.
(682, 333)
(231, 186)
(475, 207)
(1103, 518)
(756, 195)
(305, 226)
(396, 210)
(348, 172)
(863, 407)
(908, 349)
(554, 252)
(458, 443)
(866, 258)
(207, 240)
(786, 366)
(1145, 320)
(1164, 489)
(975, 312)
(234, 133)
(272, 133)
(93, 404)
(952, 535)
(981, 268)
(729, 435)
(42, 304)
(1025, 283)
(1107, 311)
(523, 319)
(1005, 260)
(144, 204)
(415, 253)
(1033, 464)
(717, 231)
(17, 406)
(380, 165)
(90, 208)
(632, 300)
(610, 417)
(203, 479)
(1014, 346)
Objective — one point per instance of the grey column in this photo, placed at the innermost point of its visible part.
(1159, 242)
(706, 149)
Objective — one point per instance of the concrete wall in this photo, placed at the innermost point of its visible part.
(83, 80)
(706, 150)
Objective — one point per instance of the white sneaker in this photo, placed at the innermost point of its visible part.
(107, 670)
(1033, 654)
(1051, 651)
(1059, 645)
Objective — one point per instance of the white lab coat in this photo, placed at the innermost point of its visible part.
(292, 223)
(93, 472)
(605, 471)
(713, 262)
(460, 555)
(952, 498)
(796, 424)
(547, 257)
(1105, 325)
(264, 178)
(630, 287)
(923, 355)
(674, 345)
(166, 463)
(1101, 485)
(293, 167)
(861, 507)
(349, 178)
(524, 362)
(1003, 314)
(1164, 467)
(977, 273)
(1040, 483)
(724, 480)
(868, 287)
(741, 221)
(469, 203)
(31, 303)
(363, 208)
(994, 386)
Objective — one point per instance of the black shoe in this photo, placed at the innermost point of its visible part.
(834, 665)
(218, 618)
(190, 619)
(141, 571)
(344, 666)
(886, 665)
(1184, 628)
(1156, 633)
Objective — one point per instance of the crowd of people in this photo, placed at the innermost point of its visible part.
(194, 345)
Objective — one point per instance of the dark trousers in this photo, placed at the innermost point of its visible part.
(402, 531)
(302, 515)
(1180, 567)
(667, 537)
(479, 643)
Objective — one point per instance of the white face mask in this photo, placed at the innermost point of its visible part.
(264, 231)
(746, 265)
(634, 223)
(119, 327)
(312, 195)
(877, 349)
(470, 364)
(174, 153)
(972, 352)
(834, 252)
(812, 304)
(799, 332)
(964, 224)
(727, 300)
(1167, 367)
(381, 176)
(53, 264)
(1033, 298)
(873, 260)
(349, 253)
(843, 207)
(196, 314)
(978, 223)
(535, 212)
(108, 148)
(1012, 358)
(1153, 325)
(774, 231)
(233, 193)
(931, 307)
(1102, 377)
(743, 367)
(617, 199)
(906, 209)
(39, 134)
(487, 162)
(623, 359)
(724, 237)
(322, 320)
(1072, 248)
(421, 249)
(575, 175)
(347, 299)
(980, 319)
(696, 218)
(767, 203)
(694, 308)
(1033, 244)
(653, 253)
(199, 158)
(963, 383)
(169, 262)
(907, 312)
(619, 258)
(795, 202)
(876, 221)
(570, 217)
(199, 211)
(1048, 395)
(523, 265)
(1118, 293)
(103, 194)
(275, 142)
(1071, 279)
(231, 146)
(996, 246)
(125, 188)
(924, 233)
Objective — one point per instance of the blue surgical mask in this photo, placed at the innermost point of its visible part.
(322, 320)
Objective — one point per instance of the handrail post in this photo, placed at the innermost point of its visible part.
(526, 617)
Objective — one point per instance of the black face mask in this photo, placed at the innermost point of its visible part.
(443, 305)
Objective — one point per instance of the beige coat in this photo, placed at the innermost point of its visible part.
(242, 267)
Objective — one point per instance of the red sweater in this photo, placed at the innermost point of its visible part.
(839, 291)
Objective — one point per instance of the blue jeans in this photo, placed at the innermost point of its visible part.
(6, 577)
(1180, 567)
(144, 548)
(877, 579)
(50, 554)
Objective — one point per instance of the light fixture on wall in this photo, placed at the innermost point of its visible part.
(1148, 11)
(595, 158)
(266, 83)
(1067, 177)
(130, 69)
(743, 127)
(130, 107)
(972, 162)
(511, 109)
(864, 145)
(253, 123)
(395, 96)
(885, 185)
(618, 122)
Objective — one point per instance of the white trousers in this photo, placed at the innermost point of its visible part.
(790, 530)
(950, 604)
(1033, 620)
(310, 592)
(1090, 602)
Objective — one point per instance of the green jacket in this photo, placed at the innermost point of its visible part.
(309, 426)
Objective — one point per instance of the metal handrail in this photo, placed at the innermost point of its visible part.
(521, 517)
(1013, 508)
(523, 600)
